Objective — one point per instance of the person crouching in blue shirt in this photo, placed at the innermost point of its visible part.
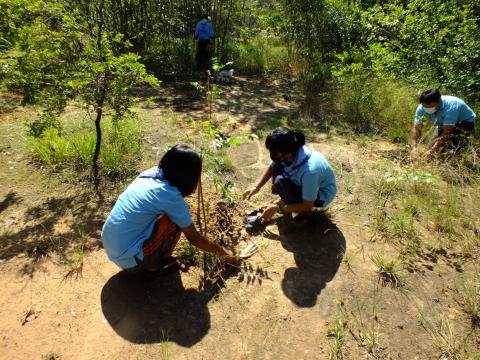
(149, 216)
(454, 121)
(302, 177)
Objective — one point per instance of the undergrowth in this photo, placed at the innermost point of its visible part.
(74, 148)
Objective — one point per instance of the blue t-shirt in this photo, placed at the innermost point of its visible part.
(316, 176)
(132, 219)
(204, 30)
(452, 111)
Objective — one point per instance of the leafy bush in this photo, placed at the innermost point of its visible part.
(37, 126)
(260, 56)
(122, 147)
(51, 148)
(435, 42)
(120, 152)
(372, 105)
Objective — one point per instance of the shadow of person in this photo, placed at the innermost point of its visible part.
(150, 310)
(318, 250)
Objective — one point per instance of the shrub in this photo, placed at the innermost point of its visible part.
(260, 56)
(375, 106)
(120, 152)
(121, 148)
(50, 147)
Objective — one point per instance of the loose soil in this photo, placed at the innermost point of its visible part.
(276, 305)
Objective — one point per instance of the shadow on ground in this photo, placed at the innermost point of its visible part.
(52, 226)
(318, 250)
(10, 199)
(150, 310)
(246, 100)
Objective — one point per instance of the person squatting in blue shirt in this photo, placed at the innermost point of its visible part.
(454, 121)
(148, 218)
(302, 177)
(203, 33)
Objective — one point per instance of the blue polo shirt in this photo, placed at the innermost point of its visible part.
(204, 30)
(316, 176)
(452, 111)
(132, 219)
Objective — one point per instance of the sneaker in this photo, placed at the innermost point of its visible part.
(252, 222)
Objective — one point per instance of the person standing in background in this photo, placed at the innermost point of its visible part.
(203, 34)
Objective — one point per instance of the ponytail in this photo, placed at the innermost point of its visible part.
(299, 137)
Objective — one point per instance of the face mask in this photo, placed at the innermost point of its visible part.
(430, 111)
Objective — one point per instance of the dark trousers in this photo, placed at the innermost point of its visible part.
(202, 56)
(458, 137)
(289, 192)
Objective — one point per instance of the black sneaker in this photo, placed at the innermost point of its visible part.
(252, 222)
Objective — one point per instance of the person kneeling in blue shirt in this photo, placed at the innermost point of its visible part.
(453, 119)
(302, 177)
(149, 216)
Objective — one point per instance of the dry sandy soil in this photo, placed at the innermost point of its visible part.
(277, 305)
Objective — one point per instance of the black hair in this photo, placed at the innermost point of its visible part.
(182, 167)
(285, 140)
(430, 96)
(204, 16)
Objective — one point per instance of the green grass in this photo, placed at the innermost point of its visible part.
(73, 149)
(336, 333)
(469, 297)
(388, 269)
(445, 340)
(164, 348)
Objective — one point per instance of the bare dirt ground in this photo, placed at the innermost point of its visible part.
(277, 305)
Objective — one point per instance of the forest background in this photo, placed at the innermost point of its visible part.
(359, 64)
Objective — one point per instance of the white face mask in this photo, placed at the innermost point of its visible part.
(430, 111)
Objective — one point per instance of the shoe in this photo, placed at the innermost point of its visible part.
(252, 222)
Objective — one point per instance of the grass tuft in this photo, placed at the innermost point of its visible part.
(388, 269)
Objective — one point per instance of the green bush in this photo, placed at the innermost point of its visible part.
(260, 56)
(121, 148)
(44, 121)
(384, 107)
(120, 151)
(50, 147)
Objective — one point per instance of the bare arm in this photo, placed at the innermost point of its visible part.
(304, 206)
(416, 134)
(267, 174)
(204, 244)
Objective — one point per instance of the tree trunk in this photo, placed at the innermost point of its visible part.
(100, 96)
(98, 143)
(225, 30)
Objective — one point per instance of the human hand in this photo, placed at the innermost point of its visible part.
(249, 193)
(268, 213)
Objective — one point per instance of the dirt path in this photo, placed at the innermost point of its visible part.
(274, 306)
